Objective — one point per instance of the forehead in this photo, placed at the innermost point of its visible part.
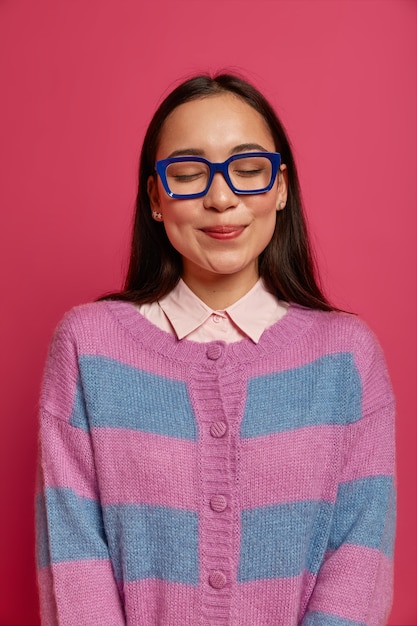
(211, 124)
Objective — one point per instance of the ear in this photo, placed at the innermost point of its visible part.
(282, 190)
(153, 194)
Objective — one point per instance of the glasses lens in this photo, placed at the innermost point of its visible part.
(187, 177)
(251, 173)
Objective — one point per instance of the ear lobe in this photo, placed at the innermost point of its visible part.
(153, 195)
(282, 192)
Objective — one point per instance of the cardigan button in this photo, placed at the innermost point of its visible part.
(218, 429)
(217, 579)
(218, 503)
(214, 351)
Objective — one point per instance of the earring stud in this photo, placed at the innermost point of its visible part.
(156, 215)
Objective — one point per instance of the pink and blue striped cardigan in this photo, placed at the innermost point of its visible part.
(189, 484)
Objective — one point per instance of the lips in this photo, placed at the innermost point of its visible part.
(223, 232)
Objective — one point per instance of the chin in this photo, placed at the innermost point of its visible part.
(230, 269)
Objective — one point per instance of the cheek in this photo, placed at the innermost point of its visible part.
(180, 212)
(263, 205)
(267, 233)
(265, 214)
(266, 217)
(177, 221)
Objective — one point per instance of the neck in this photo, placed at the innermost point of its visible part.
(221, 291)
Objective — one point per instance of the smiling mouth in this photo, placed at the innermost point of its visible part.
(223, 232)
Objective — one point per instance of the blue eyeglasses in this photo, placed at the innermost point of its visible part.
(191, 176)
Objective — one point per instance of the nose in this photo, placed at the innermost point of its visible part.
(219, 196)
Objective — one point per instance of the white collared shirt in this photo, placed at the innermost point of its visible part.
(182, 313)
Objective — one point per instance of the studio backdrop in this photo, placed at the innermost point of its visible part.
(79, 83)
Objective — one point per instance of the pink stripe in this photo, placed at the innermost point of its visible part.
(161, 602)
(328, 335)
(106, 337)
(99, 334)
(59, 386)
(291, 466)
(383, 585)
(278, 601)
(134, 467)
(277, 468)
(86, 593)
(145, 468)
(347, 585)
(67, 457)
(46, 597)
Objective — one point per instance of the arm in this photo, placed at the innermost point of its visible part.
(76, 582)
(354, 584)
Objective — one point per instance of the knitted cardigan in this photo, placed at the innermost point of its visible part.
(190, 484)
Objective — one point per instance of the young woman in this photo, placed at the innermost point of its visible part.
(216, 440)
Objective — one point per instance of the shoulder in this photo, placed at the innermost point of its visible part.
(314, 332)
(346, 333)
(323, 333)
(91, 313)
(336, 327)
(92, 323)
(81, 317)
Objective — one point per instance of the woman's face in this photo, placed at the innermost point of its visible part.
(221, 233)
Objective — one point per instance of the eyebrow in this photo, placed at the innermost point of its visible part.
(186, 152)
(243, 147)
(247, 147)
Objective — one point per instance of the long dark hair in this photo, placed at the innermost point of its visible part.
(286, 265)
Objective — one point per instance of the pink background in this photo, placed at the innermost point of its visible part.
(79, 82)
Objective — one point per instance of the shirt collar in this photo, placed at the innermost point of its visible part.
(252, 314)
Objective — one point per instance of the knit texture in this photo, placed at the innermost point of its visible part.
(189, 484)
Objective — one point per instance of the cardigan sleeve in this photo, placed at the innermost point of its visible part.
(354, 583)
(75, 577)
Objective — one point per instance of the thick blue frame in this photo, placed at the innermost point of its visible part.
(161, 167)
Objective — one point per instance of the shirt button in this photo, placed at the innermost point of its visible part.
(218, 429)
(218, 503)
(217, 319)
(217, 579)
(214, 351)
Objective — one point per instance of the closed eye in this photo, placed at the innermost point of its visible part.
(248, 173)
(185, 178)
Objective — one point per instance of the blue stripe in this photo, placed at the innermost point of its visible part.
(316, 618)
(121, 396)
(75, 526)
(388, 536)
(283, 540)
(326, 391)
(42, 544)
(365, 514)
(153, 542)
(79, 412)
